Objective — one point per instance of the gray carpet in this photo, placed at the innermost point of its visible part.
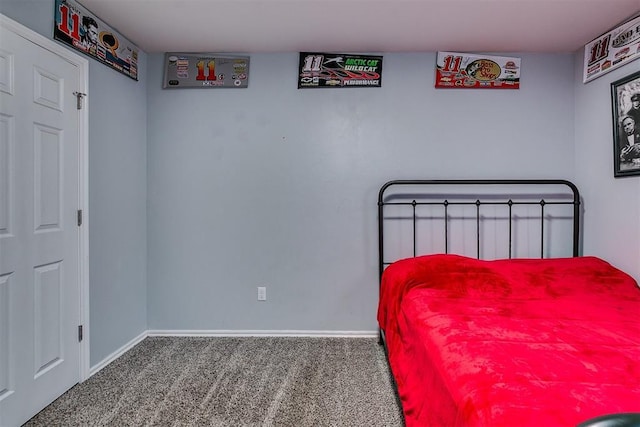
(258, 381)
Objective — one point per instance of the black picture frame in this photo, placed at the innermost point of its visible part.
(625, 101)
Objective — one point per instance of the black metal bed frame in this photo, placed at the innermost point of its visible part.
(445, 203)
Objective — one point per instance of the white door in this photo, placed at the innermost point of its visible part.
(40, 263)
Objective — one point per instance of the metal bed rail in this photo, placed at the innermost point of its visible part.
(478, 203)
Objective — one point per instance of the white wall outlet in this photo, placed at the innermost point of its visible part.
(262, 293)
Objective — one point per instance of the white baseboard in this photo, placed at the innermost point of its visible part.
(261, 333)
(226, 333)
(119, 352)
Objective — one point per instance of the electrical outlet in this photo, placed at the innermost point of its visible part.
(262, 293)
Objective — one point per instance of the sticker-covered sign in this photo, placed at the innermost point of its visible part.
(337, 70)
(612, 50)
(467, 71)
(205, 70)
(76, 26)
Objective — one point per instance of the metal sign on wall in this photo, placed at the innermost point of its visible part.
(336, 70)
(468, 71)
(77, 27)
(205, 70)
(612, 50)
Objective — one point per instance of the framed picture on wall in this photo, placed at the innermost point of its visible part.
(625, 99)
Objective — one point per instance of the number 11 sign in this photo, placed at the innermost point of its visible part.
(467, 71)
(205, 70)
(77, 27)
(612, 50)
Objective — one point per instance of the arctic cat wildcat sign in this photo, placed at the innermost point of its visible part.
(337, 70)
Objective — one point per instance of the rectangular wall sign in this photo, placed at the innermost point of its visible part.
(337, 70)
(471, 71)
(205, 70)
(77, 27)
(612, 50)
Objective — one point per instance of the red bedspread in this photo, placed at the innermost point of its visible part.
(511, 342)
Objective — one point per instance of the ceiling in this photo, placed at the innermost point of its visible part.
(361, 26)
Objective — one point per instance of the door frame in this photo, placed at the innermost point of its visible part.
(82, 65)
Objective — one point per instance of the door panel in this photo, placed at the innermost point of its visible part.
(39, 237)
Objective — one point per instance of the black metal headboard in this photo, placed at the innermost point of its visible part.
(478, 194)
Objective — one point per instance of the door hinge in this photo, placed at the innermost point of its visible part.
(79, 96)
(79, 217)
(79, 333)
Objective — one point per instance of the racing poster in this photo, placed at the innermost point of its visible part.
(612, 50)
(337, 70)
(467, 71)
(205, 70)
(77, 27)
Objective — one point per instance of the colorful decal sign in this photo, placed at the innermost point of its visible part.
(336, 70)
(612, 50)
(77, 27)
(205, 70)
(467, 71)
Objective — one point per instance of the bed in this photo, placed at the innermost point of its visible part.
(480, 332)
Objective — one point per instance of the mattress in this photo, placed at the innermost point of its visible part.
(549, 342)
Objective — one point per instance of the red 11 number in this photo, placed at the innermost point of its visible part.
(74, 31)
(211, 66)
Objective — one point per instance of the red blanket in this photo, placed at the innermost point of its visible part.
(511, 342)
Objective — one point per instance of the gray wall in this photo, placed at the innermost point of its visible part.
(117, 192)
(275, 186)
(117, 207)
(611, 205)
